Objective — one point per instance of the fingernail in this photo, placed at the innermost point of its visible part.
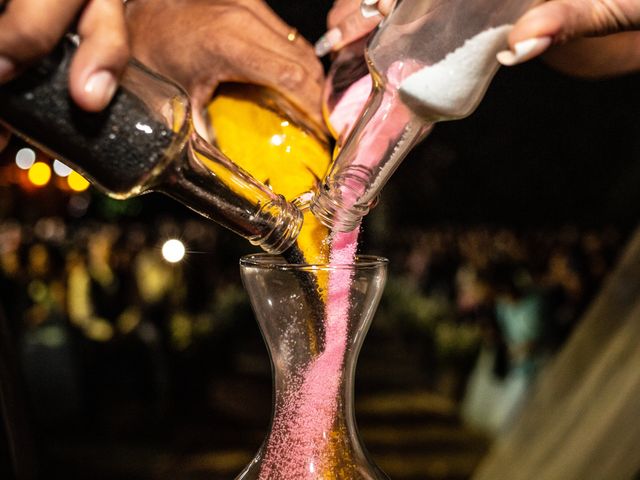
(329, 40)
(369, 8)
(101, 86)
(7, 68)
(523, 51)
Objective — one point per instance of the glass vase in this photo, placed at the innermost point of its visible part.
(313, 319)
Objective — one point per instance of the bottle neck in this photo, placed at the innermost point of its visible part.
(209, 183)
(385, 133)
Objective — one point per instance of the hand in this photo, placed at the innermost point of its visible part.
(201, 43)
(349, 20)
(557, 22)
(31, 28)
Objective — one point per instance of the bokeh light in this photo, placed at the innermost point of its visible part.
(39, 174)
(61, 169)
(25, 158)
(173, 250)
(77, 182)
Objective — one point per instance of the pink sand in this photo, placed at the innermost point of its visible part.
(303, 423)
(301, 428)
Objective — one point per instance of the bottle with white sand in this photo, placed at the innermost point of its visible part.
(430, 61)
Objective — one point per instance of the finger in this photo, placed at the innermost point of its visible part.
(348, 21)
(371, 7)
(385, 6)
(340, 10)
(102, 55)
(31, 29)
(281, 37)
(349, 29)
(293, 79)
(559, 21)
(5, 135)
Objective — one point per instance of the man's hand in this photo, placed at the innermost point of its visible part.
(201, 43)
(30, 29)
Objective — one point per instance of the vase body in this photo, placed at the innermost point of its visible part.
(313, 319)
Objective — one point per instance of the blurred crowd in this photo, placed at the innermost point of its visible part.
(99, 315)
(495, 304)
(102, 320)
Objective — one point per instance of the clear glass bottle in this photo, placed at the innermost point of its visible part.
(313, 433)
(144, 141)
(417, 35)
(269, 137)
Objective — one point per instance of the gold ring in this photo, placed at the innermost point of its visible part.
(292, 35)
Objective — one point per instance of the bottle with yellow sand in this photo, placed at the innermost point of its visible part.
(270, 138)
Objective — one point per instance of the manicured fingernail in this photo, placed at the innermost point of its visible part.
(101, 86)
(329, 40)
(7, 68)
(523, 51)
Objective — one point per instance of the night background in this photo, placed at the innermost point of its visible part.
(158, 370)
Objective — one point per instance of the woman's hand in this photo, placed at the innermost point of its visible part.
(349, 20)
(567, 23)
(201, 43)
(30, 29)
(561, 29)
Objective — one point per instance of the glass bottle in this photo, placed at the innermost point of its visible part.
(269, 137)
(144, 141)
(417, 36)
(313, 433)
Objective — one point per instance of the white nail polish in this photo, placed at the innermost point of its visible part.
(523, 51)
(101, 86)
(7, 68)
(326, 43)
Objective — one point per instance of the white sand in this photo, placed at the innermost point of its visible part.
(452, 87)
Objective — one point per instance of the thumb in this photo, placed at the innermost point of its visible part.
(353, 26)
(349, 29)
(559, 21)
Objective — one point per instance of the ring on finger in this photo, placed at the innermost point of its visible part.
(292, 35)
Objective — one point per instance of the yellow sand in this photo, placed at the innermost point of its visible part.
(251, 129)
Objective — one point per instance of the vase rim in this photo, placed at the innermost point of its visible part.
(276, 262)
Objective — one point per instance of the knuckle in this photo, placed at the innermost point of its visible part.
(293, 76)
(229, 15)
